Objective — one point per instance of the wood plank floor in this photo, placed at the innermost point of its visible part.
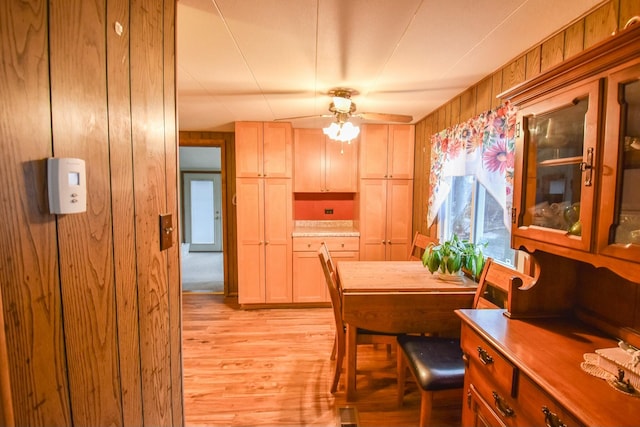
(271, 367)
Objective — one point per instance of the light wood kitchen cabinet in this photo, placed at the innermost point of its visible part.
(264, 149)
(309, 284)
(324, 165)
(386, 191)
(578, 158)
(386, 151)
(385, 219)
(264, 222)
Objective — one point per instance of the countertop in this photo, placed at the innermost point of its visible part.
(324, 228)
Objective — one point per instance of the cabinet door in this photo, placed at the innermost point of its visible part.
(278, 150)
(249, 146)
(555, 177)
(619, 220)
(309, 161)
(250, 224)
(341, 166)
(277, 240)
(373, 151)
(373, 219)
(400, 151)
(309, 284)
(399, 219)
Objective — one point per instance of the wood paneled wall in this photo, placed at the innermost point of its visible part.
(594, 27)
(90, 304)
(226, 141)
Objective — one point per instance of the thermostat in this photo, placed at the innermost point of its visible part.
(67, 185)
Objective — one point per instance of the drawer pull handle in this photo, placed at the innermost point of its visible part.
(551, 419)
(484, 356)
(501, 406)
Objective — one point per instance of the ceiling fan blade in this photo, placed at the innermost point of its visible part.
(385, 117)
(304, 117)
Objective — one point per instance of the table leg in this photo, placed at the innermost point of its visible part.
(351, 362)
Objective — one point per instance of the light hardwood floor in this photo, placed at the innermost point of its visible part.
(271, 367)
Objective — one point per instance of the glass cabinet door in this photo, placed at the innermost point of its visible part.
(557, 151)
(619, 226)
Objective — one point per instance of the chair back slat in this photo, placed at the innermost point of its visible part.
(419, 245)
(496, 282)
(334, 293)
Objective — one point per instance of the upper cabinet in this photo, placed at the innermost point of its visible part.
(619, 220)
(556, 146)
(324, 165)
(264, 149)
(578, 157)
(386, 151)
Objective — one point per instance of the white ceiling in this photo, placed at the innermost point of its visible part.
(270, 59)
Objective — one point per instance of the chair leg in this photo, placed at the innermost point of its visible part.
(426, 403)
(402, 376)
(333, 350)
(337, 366)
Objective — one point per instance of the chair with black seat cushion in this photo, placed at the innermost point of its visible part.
(419, 245)
(436, 362)
(363, 336)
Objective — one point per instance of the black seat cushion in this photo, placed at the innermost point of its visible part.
(436, 362)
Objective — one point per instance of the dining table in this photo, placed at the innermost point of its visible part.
(397, 297)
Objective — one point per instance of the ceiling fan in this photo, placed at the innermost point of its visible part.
(342, 108)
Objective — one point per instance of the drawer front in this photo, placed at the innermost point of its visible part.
(301, 244)
(489, 362)
(531, 401)
(496, 397)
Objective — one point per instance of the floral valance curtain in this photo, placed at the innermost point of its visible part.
(482, 146)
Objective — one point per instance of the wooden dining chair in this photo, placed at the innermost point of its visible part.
(419, 245)
(363, 336)
(435, 362)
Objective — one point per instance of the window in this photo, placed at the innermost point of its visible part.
(470, 212)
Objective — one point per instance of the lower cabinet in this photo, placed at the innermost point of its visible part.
(309, 285)
(497, 393)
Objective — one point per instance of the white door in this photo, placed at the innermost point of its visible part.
(203, 211)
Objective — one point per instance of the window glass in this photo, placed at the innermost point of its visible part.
(472, 213)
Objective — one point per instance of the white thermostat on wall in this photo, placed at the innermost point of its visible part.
(67, 185)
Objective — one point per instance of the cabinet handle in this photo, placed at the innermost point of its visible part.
(389, 242)
(384, 242)
(308, 245)
(501, 406)
(266, 243)
(342, 245)
(551, 419)
(587, 167)
(485, 358)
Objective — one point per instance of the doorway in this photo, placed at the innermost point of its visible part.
(202, 255)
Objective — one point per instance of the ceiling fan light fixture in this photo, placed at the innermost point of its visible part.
(343, 132)
(342, 105)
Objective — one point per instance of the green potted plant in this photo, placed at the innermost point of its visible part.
(452, 256)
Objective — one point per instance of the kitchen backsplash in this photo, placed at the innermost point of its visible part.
(323, 206)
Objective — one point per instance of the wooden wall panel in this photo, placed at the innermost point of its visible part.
(574, 39)
(483, 96)
(552, 52)
(496, 89)
(600, 24)
(514, 73)
(532, 62)
(172, 186)
(29, 283)
(124, 252)
(80, 129)
(627, 10)
(467, 105)
(453, 112)
(147, 109)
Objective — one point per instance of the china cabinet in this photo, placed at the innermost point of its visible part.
(578, 157)
(323, 165)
